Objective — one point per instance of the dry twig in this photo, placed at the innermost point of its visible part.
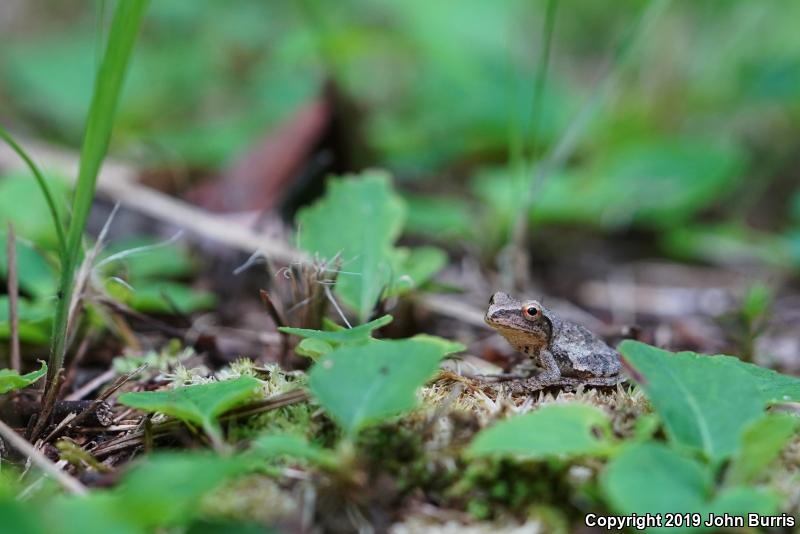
(69, 483)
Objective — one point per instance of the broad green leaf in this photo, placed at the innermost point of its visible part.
(277, 445)
(439, 218)
(657, 183)
(149, 257)
(446, 346)
(20, 516)
(204, 526)
(156, 296)
(654, 182)
(705, 401)
(416, 266)
(161, 491)
(554, 430)
(649, 477)
(11, 380)
(731, 243)
(34, 320)
(313, 348)
(364, 383)
(358, 219)
(199, 404)
(22, 203)
(357, 334)
(772, 385)
(99, 512)
(761, 443)
(165, 489)
(652, 478)
(35, 274)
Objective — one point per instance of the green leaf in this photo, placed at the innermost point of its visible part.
(761, 443)
(22, 203)
(97, 513)
(35, 274)
(554, 430)
(108, 84)
(21, 516)
(357, 334)
(417, 266)
(278, 445)
(445, 345)
(359, 219)
(166, 488)
(439, 217)
(205, 526)
(652, 478)
(705, 401)
(200, 404)
(313, 348)
(654, 182)
(11, 380)
(365, 383)
(34, 320)
(147, 257)
(731, 243)
(156, 296)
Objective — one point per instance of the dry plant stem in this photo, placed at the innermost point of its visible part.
(161, 326)
(152, 431)
(18, 442)
(569, 139)
(279, 321)
(80, 353)
(13, 294)
(91, 385)
(118, 182)
(118, 383)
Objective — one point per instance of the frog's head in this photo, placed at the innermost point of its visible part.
(524, 324)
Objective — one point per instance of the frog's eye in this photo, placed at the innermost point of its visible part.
(530, 312)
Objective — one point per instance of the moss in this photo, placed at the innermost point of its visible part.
(254, 498)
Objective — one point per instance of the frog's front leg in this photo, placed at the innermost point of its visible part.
(549, 376)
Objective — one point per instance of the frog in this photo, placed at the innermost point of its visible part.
(568, 354)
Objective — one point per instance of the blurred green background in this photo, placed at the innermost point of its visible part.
(691, 133)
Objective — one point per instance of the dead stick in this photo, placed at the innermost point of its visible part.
(69, 483)
(13, 294)
(97, 403)
(279, 321)
(140, 437)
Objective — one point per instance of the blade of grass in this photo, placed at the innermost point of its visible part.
(108, 85)
(48, 196)
(13, 293)
(569, 139)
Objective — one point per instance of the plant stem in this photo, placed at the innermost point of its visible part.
(566, 144)
(48, 196)
(107, 88)
(13, 293)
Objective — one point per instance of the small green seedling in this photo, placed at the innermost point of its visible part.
(200, 404)
(552, 431)
(11, 380)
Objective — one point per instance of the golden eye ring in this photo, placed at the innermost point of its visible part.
(530, 312)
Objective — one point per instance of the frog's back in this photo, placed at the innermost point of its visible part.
(580, 353)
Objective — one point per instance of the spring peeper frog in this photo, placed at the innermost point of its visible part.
(568, 354)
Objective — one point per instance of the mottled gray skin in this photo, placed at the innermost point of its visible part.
(568, 353)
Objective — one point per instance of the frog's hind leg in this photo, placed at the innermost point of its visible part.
(597, 381)
(606, 381)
